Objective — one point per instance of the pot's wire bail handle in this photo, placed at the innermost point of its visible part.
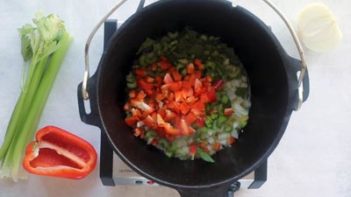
(300, 50)
(86, 75)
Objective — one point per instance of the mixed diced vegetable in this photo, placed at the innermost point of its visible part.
(188, 95)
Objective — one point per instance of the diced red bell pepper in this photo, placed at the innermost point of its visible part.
(126, 107)
(192, 149)
(217, 146)
(187, 85)
(204, 98)
(172, 99)
(174, 106)
(204, 147)
(131, 121)
(200, 122)
(170, 138)
(187, 92)
(58, 153)
(149, 122)
(191, 99)
(191, 78)
(141, 105)
(228, 111)
(160, 96)
(173, 86)
(198, 108)
(199, 64)
(154, 142)
(169, 129)
(149, 79)
(165, 64)
(208, 78)
(219, 84)
(138, 132)
(190, 69)
(198, 86)
(211, 95)
(185, 128)
(168, 79)
(169, 115)
(158, 80)
(184, 108)
(140, 72)
(154, 67)
(231, 140)
(166, 126)
(176, 75)
(132, 94)
(197, 74)
(178, 96)
(190, 118)
(147, 87)
(141, 95)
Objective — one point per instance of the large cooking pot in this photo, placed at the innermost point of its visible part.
(274, 93)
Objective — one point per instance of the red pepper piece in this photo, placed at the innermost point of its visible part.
(176, 75)
(169, 115)
(192, 149)
(217, 146)
(199, 64)
(211, 95)
(58, 153)
(231, 140)
(219, 84)
(147, 87)
(168, 79)
(131, 121)
(228, 111)
(185, 128)
(173, 86)
(140, 72)
(198, 86)
(200, 122)
(169, 129)
(190, 68)
(150, 122)
(190, 118)
(138, 132)
(165, 64)
(149, 79)
(158, 80)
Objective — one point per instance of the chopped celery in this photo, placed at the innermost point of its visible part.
(205, 156)
(222, 119)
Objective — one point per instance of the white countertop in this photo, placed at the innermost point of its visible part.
(313, 158)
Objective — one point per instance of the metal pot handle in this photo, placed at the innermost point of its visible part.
(300, 50)
(86, 75)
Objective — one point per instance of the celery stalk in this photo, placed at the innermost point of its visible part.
(31, 123)
(44, 46)
(23, 104)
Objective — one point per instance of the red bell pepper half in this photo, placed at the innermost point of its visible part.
(58, 153)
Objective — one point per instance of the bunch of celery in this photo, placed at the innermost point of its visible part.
(44, 45)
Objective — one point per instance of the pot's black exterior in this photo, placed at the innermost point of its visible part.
(272, 76)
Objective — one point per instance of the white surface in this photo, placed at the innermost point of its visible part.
(313, 158)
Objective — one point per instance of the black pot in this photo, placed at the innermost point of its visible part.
(272, 75)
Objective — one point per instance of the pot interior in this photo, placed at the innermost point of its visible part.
(262, 58)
